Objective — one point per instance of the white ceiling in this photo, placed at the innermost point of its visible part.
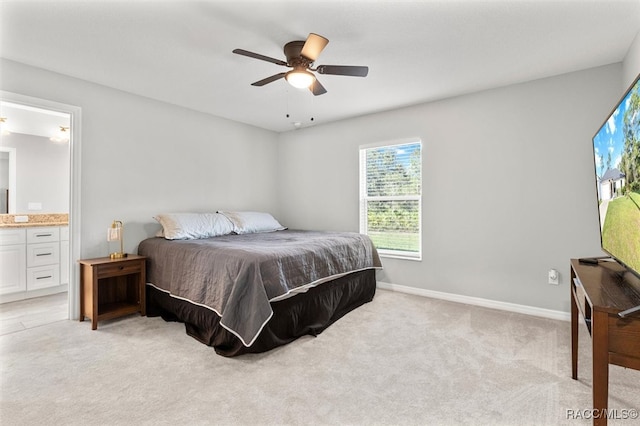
(417, 51)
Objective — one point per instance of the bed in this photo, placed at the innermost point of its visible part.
(246, 292)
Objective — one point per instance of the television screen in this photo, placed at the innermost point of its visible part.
(616, 149)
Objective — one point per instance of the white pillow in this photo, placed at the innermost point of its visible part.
(252, 222)
(190, 226)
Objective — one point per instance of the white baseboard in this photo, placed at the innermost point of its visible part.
(477, 301)
(23, 295)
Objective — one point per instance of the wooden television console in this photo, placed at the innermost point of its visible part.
(600, 292)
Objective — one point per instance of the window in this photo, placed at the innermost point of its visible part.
(391, 197)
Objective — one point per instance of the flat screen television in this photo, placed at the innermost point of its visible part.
(616, 152)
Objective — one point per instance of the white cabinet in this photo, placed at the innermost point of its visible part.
(34, 261)
(49, 234)
(11, 236)
(43, 276)
(43, 257)
(12, 261)
(43, 254)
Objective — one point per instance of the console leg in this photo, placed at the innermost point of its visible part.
(600, 342)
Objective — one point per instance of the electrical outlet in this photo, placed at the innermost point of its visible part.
(554, 277)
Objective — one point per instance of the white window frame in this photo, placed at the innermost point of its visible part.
(364, 198)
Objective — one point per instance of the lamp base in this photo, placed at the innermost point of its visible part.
(118, 255)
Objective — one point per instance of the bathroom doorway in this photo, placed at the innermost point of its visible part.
(56, 128)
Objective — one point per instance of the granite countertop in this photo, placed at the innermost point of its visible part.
(31, 224)
(48, 219)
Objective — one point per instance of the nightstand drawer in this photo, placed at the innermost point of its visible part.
(119, 268)
(43, 254)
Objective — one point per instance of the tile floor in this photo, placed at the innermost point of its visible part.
(24, 314)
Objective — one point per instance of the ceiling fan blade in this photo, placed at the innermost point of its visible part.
(317, 88)
(349, 70)
(269, 79)
(313, 46)
(259, 56)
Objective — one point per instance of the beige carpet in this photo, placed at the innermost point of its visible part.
(399, 360)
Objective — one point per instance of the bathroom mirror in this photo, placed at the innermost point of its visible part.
(34, 160)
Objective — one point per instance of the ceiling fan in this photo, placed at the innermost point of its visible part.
(300, 56)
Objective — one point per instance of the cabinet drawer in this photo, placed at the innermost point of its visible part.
(12, 236)
(43, 235)
(119, 268)
(42, 277)
(43, 254)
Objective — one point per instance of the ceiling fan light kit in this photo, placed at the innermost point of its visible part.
(300, 78)
(300, 56)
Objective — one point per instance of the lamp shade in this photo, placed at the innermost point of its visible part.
(115, 233)
(300, 78)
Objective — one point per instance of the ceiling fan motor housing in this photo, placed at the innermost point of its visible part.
(294, 58)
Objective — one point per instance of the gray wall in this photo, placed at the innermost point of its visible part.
(508, 179)
(141, 157)
(508, 184)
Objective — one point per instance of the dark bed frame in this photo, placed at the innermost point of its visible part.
(305, 313)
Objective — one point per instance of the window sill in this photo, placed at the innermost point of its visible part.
(397, 256)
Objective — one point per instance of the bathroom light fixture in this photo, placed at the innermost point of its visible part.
(116, 233)
(61, 136)
(3, 127)
(300, 78)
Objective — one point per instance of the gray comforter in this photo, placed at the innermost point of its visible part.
(238, 275)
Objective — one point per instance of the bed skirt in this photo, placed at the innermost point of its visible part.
(306, 313)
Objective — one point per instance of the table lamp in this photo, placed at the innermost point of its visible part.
(116, 233)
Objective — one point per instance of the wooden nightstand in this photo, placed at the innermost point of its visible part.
(111, 288)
